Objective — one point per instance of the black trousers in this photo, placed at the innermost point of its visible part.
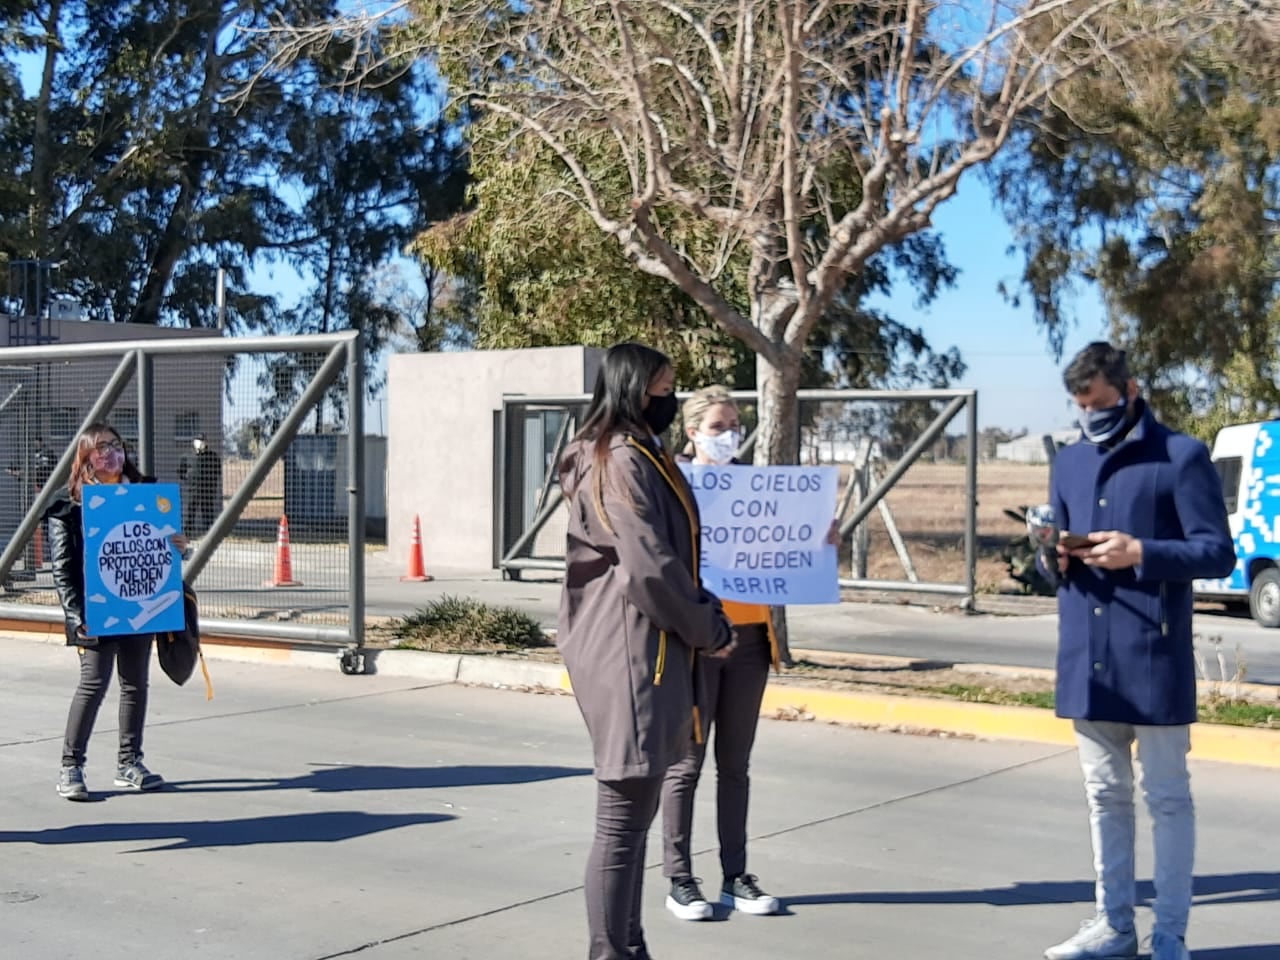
(733, 690)
(615, 869)
(133, 656)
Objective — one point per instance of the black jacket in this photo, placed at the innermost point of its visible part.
(66, 549)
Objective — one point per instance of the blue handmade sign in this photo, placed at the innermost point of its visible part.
(764, 532)
(132, 572)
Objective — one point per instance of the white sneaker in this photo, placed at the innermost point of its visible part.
(686, 900)
(1097, 940)
(743, 893)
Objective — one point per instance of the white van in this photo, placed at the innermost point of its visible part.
(1248, 460)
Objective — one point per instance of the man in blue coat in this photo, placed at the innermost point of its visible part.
(1148, 504)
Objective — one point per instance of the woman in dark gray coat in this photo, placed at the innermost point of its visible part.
(631, 615)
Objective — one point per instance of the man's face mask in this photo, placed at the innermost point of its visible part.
(1099, 426)
(199, 445)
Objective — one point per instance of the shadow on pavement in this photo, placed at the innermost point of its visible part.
(344, 779)
(1254, 887)
(329, 827)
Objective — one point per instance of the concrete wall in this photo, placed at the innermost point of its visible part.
(440, 445)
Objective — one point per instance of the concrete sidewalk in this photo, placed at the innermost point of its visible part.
(313, 816)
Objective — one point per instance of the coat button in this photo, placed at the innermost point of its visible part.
(1102, 501)
(1097, 666)
(1097, 611)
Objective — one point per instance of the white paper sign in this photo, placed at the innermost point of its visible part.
(764, 532)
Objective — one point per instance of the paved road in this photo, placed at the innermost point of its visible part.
(234, 580)
(314, 816)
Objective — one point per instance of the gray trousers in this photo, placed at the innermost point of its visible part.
(133, 654)
(729, 699)
(615, 868)
(1106, 757)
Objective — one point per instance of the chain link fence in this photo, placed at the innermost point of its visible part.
(258, 434)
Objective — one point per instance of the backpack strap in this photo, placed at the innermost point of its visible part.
(208, 684)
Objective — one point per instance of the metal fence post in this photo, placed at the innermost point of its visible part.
(971, 505)
(146, 413)
(501, 491)
(352, 660)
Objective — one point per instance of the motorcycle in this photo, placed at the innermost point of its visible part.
(1019, 555)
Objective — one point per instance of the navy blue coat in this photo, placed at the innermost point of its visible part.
(1124, 636)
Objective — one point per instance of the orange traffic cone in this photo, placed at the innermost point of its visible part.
(417, 571)
(284, 559)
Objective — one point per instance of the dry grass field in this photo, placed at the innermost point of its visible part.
(928, 506)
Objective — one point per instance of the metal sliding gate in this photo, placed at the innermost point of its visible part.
(275, 511)
(873, 436)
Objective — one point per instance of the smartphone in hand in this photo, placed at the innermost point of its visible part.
(1074, 541)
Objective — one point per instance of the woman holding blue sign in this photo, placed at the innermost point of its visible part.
(100, 459)
(632, 613)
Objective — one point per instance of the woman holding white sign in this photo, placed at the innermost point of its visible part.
(632, 614)
(731, 689)
(100, 459)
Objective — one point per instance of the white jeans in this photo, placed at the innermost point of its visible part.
(1107, 761)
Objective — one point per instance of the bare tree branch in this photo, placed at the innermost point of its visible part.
(691, 129)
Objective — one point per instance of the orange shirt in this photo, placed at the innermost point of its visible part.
(746, 614)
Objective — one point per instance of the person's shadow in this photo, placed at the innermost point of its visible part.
(1255, 887)
(327, 827)
(341, 778)
(1210, 889)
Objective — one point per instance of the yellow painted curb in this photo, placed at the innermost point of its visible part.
(1258, 748)
(919, 713)
(1213, 741)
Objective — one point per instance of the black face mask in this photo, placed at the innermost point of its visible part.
(661, 412)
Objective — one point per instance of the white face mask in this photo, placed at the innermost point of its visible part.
(199, 445)
(719, 448)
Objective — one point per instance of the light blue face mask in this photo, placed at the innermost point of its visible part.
(1100, 426)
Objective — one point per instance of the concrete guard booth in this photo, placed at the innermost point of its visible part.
(444, 439)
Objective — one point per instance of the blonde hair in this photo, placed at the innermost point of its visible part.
(695, 408)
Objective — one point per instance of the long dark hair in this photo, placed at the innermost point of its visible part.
(617, 405)
(82, 471)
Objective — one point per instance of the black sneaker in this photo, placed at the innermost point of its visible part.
(135, 776)
(71, 784)
(742, 893)
(686, 900)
